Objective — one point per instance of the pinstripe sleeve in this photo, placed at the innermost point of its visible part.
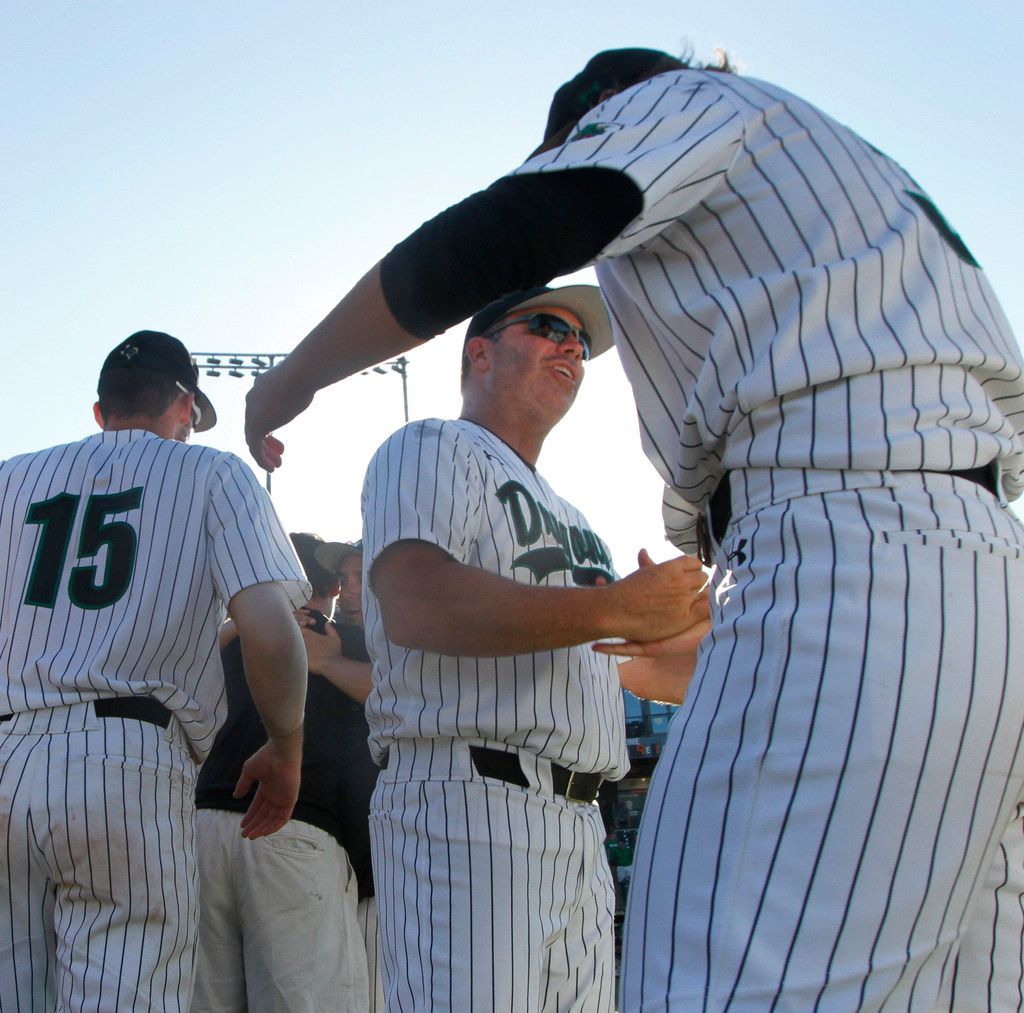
(423, 484)
(247, 544)
(680, 519)
(674, 136)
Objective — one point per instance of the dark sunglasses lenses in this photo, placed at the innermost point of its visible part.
(556, 329)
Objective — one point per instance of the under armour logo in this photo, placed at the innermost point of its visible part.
(738, 554)
(129, 352)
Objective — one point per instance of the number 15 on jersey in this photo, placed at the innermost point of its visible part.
(56, 517)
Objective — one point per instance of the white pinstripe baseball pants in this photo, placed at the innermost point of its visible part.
(366, 912)
(99, 875)
(491, 897)
(835, 822)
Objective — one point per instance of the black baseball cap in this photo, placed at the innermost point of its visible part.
(161, 353)
(583, 300)
(615, 69)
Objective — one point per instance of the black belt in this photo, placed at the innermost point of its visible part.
(571, 784)
(712, 524)
(138, 708)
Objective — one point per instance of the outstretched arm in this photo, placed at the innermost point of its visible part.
(359, 332)
(520, 231)
(429, 601)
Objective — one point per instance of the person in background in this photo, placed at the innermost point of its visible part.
(347, 666)
(278, 926)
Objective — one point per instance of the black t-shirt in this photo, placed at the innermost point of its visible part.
(338, 774)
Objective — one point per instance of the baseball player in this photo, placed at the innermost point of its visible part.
(495, 720)
(835, 400)
(118, 554)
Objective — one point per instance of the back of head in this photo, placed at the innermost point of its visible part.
(129, 393)
(145, 373)
(611, 71)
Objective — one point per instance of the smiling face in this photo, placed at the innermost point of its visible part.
(546, 375)
(519, 384)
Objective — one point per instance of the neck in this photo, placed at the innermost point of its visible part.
(525, 440)
(159, 426)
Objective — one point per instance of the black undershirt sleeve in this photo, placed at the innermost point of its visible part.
(519, 232)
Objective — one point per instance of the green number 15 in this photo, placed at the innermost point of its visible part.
(56, 517)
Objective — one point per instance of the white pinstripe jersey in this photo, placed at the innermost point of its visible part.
(118, 556)
(790, 297)
(457, 486)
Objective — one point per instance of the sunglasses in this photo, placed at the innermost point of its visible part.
(197, 414)
(550, 327)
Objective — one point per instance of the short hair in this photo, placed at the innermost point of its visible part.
(324, 582)
(128, 392)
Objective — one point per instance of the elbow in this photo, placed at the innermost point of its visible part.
(400, 631)
(409, 580)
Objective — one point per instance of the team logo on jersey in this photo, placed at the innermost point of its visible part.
(590, 130)
(579, 551)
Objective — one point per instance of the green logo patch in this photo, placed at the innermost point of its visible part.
(579, 551)
(590, 130)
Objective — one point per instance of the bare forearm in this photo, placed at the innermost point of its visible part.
(353, 678)
(274, 659)
(275, 670)
(483, 615)
(359, 332)
(431, 602)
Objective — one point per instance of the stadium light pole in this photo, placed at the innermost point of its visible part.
(239, 365)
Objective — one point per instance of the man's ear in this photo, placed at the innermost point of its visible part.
(184, 408)
(97, 415)
(478, 351)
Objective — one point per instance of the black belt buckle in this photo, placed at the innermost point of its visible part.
(575, 785)
(582, 787)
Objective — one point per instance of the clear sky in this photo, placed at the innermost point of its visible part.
(225, 171)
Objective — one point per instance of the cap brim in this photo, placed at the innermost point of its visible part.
(207, 416)
(331, 555)
(586, 302)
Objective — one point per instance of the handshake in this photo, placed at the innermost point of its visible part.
(666, 613)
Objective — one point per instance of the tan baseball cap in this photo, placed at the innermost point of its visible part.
(330, 555)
